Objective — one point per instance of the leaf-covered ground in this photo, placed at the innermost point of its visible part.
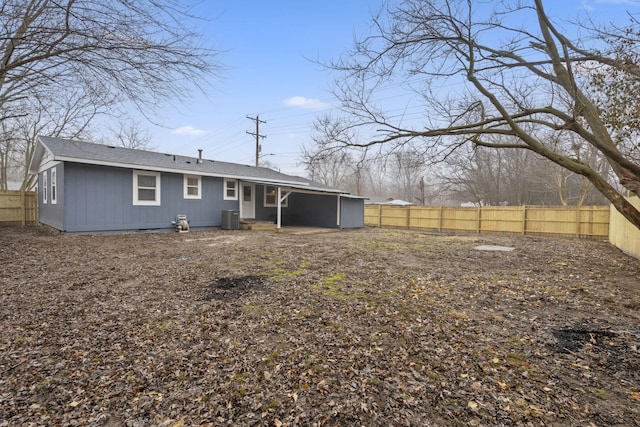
(365, 327)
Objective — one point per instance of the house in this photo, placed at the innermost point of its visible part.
(86, 187)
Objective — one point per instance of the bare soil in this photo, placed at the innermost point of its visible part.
(364, 327)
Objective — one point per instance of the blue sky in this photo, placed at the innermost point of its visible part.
(268, 51)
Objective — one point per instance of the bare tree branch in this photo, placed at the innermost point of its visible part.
(510, 79)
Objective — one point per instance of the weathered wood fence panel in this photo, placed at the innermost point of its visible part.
(583, 221)
(622, 233)
(18, 207)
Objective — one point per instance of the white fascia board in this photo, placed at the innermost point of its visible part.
(36, 159)
(353, 196)
(313, 191)
(296, 187)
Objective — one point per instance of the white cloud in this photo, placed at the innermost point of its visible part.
(302, 102)
(189, 131)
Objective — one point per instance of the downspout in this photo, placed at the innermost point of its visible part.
(338, 221)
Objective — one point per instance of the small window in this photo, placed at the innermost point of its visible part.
(45, 187)
(247, 193)
(54, 183)
(271, 197)
(230, 189)
(192, 187)
(146, 188)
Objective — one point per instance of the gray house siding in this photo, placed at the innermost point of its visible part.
(49, 213)
(270, 213)
(351, 212)
(100, 198)
(263, 213)
(313, 210)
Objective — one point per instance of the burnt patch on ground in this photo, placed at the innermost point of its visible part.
(571, 340)
(232, 287)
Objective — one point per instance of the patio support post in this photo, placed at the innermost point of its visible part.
(279, 208)
(240, 199)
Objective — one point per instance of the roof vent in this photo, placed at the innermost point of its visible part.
(199, 155)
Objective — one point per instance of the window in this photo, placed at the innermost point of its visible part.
(271, 197)
(45, 187)
(146, 188)
(230, 189)
(192, 187)
(54, 182)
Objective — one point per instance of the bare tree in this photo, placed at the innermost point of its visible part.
(375, 178)
(407, 168)
(489, 177)
(330, 167)
(129, 134)
(67, 116)
(327, 168)
(96, 54)
(571, 188)
(509, 70)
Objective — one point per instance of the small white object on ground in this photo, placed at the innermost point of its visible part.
(494, 248)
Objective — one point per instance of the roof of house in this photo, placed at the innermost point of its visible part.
(387, 201)
(66, 150)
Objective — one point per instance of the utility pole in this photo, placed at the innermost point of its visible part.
(257, 135)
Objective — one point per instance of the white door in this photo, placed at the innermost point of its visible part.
(248, 201)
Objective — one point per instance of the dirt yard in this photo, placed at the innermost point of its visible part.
(365, 327)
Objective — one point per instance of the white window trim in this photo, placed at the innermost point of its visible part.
(224, 189)
(137, 202)
(284, 204)
(54, 186)
(45, 187)
(186, 187)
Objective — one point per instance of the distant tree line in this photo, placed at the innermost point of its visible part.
(482, 176)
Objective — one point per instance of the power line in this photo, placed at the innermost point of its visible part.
(257, 120)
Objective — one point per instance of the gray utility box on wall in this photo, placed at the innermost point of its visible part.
(230, 220)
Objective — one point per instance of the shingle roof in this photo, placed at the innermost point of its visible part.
(99, 154)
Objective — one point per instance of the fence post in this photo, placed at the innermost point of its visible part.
(577, 221)
(23, 209)
(379, 215)
(524, 219)
(478, 214)
(440, 219)
(408, 216)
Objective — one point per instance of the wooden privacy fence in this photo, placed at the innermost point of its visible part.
(622, 233)
(584, 221)
(18, 207)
